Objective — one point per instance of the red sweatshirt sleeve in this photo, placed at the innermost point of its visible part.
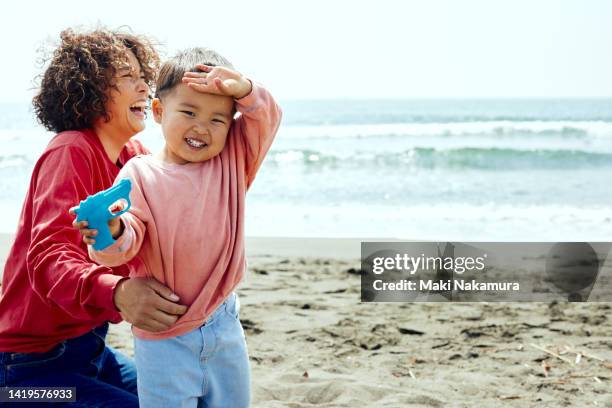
(257, 125)
(58, 267)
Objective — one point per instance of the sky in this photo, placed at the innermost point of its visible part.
(351, 49)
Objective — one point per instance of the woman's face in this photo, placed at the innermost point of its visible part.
(129, 101)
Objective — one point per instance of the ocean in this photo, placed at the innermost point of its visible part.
(459, 170)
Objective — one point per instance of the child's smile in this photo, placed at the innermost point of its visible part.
(195, 143)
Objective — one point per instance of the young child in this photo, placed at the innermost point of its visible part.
(186, 228)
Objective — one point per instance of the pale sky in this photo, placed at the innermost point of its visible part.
(353, 49)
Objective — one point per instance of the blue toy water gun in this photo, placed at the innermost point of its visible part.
(97, 210)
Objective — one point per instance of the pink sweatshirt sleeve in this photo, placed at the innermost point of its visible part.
(256, 127)
(126, 247)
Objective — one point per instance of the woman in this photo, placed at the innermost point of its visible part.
(55, 303)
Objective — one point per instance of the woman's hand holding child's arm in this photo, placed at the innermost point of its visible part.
(147, 304)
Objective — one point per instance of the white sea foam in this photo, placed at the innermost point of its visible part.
(438, 221)
(484, 128)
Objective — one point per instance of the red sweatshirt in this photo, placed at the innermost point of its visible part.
(51, 291)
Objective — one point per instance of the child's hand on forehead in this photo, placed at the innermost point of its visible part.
(218, 80)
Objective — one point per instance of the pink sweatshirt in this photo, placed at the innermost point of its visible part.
(186, 223)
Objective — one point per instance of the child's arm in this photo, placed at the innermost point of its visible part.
(126, 245)
(128, 229)
(256, 127)
(260, 115)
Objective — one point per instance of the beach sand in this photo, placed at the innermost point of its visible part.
(312, 343)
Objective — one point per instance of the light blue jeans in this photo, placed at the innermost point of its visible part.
(207, 367)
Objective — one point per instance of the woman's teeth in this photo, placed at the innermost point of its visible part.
(195, 143)
(138, 111)
(138, 108)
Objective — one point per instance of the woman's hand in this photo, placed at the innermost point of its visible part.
(218, 80)
(147, 304)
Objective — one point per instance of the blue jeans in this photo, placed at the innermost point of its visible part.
(103, 377)
(206, 367)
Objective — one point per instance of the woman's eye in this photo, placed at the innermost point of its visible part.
(133, 76)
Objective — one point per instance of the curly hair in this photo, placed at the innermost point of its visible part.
(75, 87)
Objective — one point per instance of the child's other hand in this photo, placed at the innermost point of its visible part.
(114, 224)
(218, 80)
(87, 234)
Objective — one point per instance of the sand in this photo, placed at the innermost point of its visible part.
(313, 344)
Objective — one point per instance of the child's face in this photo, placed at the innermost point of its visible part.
(195, 125)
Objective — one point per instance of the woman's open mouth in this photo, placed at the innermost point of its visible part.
(139, 109)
